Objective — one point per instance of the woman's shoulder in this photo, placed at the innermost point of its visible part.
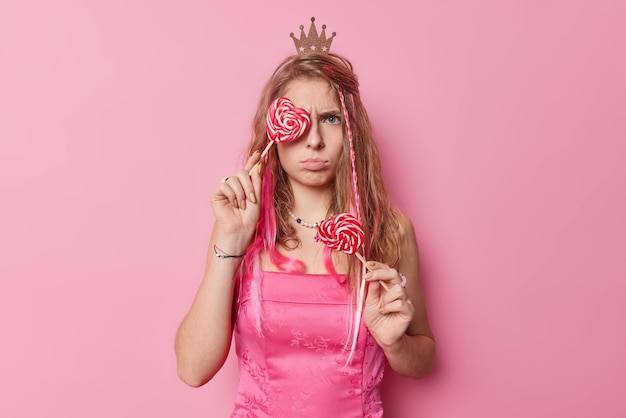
(408, 260)
(405, 224)
(406, 232)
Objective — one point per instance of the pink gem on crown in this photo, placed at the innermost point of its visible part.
(313, 42)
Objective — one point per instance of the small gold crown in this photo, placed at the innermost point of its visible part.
(312, 42)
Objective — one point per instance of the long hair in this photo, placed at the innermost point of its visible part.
(379, 219)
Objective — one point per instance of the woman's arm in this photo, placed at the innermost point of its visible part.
(204, 336)
(397, 319)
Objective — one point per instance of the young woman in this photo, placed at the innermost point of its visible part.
(305, 349)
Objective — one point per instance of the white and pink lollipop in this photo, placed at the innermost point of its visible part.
(285, 122)
(343, 232)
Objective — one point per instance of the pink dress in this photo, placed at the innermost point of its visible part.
(296, 369)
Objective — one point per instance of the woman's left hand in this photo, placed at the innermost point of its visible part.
(387, 314)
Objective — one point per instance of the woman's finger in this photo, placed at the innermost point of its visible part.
(246, 177)
(235, 183)
(397, 306)
(247, 187)
(229, 193)
(376, 265)
(256, 185)
(242, 186)
(384, 274)
(394, 293)
(252, 160)
(395, 300)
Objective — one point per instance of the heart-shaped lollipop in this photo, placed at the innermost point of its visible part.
(285, 122)
(343, 232)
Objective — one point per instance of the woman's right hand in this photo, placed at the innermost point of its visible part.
(236, 204)
(203, 338)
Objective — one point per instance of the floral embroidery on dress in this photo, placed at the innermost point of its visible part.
(297, 367)
(301, 339)
(251, 405)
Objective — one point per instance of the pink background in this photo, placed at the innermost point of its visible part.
(502, 128)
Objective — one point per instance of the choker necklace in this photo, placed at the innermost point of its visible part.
(304, 223)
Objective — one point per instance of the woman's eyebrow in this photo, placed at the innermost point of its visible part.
(330, 112)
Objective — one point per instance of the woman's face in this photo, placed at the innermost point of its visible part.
(312, 159)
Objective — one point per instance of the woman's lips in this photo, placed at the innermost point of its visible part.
(313, 164)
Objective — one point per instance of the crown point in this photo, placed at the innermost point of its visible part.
(313, 41)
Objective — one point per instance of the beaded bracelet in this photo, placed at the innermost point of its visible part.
(221, 254)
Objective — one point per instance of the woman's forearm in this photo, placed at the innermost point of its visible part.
(204, 336)
(412, 356)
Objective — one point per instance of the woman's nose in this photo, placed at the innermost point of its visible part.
(314, 137)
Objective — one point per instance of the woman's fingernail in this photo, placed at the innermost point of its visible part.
(243, 204)
(252, 197)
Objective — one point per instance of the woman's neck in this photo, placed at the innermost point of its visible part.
(311, 204)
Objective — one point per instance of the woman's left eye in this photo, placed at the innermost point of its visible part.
(333, 119)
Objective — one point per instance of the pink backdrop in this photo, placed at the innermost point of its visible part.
(502, 128)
